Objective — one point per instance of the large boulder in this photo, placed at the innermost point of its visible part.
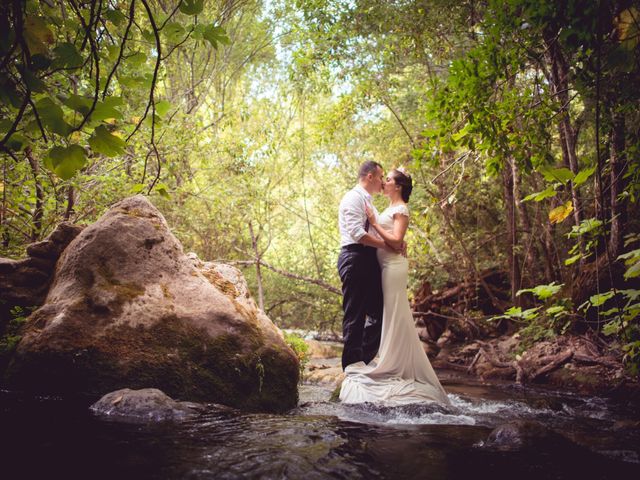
(127, 308)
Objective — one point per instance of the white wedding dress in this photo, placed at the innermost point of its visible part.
(401, 373)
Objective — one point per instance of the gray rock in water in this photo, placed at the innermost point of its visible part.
(127, 308)
(145, 405)
(524, 434)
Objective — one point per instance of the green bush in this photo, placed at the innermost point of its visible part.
(300, 347)
(11, 337)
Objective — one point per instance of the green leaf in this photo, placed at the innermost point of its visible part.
(112, 52)
(462, 133)
(102, 141)
(163, 190)
(66, 162)
(599, 299)
(16, 142)
(631, 255)
(105, 110)
(149, 36)
(174, 32)
(78, 103)
(34, 83)
(37, 34)
(137, 59)
(40, 62)
(115, 16)
(633, 271)
(631, 294)
(67, 56)
(583, 176)
(52, 116)
(539, 196)
(198, 31)
(130, 81)
(5, 125)
(572, 260)
(517, 312)
(588, 225)
(630, 238)
(611, 328)
(632, 261)
(556, 310)
(191, 7)
(8, 93)
(542, 291)
(137, 188)
(162, 107)
(215, 35)
(556, 174)
(152, 119)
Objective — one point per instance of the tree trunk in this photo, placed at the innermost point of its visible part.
(618, 183)
(559, 82)
(601, 186)
(531, 262)
(37, 211)
(545, 240)
(512, 252)
(71, 201)
(256, 250)
(3, 211)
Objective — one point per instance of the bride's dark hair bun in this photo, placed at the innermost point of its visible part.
(403, 179)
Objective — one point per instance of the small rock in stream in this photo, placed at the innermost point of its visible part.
(144, 405)
(525, 434)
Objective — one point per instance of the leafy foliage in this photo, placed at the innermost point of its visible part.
(300, 347)
(246, 121)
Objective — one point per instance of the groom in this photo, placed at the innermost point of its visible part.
(359, 269)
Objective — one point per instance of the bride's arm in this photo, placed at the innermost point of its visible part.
(394, 239)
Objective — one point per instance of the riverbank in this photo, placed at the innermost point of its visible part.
(574, 364)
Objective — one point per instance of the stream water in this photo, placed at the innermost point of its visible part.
(60, 438)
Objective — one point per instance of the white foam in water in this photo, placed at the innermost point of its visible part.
(463, 411)
(628, 456)
(485, 407)
(435, 418)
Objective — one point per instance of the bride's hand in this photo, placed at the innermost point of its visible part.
(370, 215)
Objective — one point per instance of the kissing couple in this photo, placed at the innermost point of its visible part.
(383, 358)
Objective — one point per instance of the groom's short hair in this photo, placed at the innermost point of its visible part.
(368, 167)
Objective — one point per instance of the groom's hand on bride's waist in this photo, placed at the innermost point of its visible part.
(402, 250)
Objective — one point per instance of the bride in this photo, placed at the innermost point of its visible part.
(401, 374)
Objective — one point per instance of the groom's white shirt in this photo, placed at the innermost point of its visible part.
(352, 216)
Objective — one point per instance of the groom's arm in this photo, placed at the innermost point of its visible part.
(376, 242)
(371, 241)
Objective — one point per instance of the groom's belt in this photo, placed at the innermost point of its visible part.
(355, 247)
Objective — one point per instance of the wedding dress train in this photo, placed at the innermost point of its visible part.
(401, 373)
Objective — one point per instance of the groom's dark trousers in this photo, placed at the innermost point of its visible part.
(361, 302)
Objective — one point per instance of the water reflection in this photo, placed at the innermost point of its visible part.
(322, 440)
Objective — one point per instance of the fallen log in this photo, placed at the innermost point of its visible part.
(554, 362)
(596, 361)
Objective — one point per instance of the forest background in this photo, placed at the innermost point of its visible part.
(245, 122)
